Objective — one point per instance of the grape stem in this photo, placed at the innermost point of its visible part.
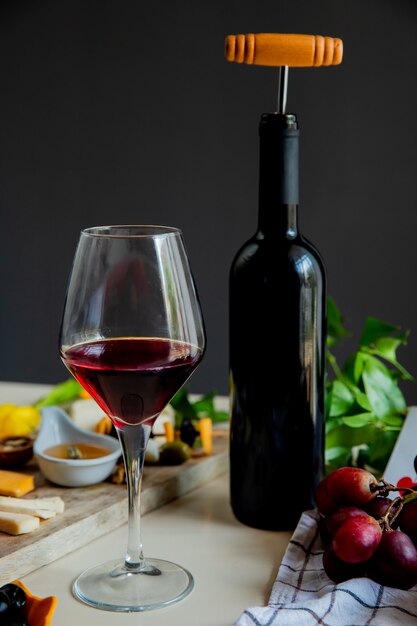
(384, 489)
(410, 497)
(399, 502)
(386, 521)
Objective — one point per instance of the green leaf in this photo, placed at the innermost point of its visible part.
(183, 408)
(362, 400)
(364, 406)
(384, 395)
(331, 424)
(359, 420)
(374, 330)
(349, 376)
(337, 457)
(349, 369)
(386, 347)
(61, 394)
(205, 405)
(381, 449)
(341, 399)
(394, 421)
(336, 453)
(359, 364)
(350, 437)
(335, 328)
(221, 416)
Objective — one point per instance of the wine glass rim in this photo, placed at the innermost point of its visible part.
(128, 231)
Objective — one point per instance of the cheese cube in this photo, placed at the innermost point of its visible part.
(15, 484)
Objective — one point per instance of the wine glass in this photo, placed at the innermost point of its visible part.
(132, 333)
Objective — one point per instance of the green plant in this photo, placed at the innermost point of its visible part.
(365, 406)
(192, 410)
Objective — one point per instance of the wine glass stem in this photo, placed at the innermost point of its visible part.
(133, 440)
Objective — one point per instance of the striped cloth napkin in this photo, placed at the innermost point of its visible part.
(303, 595)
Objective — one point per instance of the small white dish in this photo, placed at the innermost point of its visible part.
(57, 428)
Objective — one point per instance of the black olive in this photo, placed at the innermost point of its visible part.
(188, 433)
(4, 603)
(16, 595)
(15, 618)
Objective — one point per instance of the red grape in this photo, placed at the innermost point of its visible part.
(338, 570)
(407, 520)
(357, 539)
(378, 506)
(346, 486)
(395, 561)
(324, 533)
(360, 538)
(324, 501)
(338, 517)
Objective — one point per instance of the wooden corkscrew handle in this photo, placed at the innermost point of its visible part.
(276, 49)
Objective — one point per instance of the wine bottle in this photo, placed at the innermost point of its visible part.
(277, 348)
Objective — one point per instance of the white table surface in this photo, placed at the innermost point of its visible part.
(233, 565)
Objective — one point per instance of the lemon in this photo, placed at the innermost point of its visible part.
(19, 421)
(28, 414)
(6, 409)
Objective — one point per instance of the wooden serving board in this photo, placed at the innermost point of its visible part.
(93, 511)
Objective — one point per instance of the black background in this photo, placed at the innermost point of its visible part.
(126, 112)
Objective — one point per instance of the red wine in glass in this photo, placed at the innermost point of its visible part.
(132, 378)
(132, 333)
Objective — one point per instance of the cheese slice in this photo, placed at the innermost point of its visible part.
(42, 513)
(54, 504)
(15, 484)
(17, 523)
(41, 507)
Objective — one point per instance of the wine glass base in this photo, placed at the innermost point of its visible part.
(112, 587)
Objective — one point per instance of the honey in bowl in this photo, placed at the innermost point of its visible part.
(75, 451)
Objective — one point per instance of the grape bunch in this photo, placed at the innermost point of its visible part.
(12, 605)
(365, 532)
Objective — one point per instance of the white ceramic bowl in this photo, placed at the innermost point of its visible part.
(57, 428)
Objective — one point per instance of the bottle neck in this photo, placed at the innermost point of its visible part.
(278, 176)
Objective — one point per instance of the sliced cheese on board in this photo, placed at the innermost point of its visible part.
(17, 523)
(41, 513)
(41, 507)
(15, 483)
(54, 503)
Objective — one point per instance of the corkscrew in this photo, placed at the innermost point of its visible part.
(284, 51)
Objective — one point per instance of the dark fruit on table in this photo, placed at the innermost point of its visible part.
(323, 498)
(12, 605)
(188, 433)
(338, 570)
(174, 453)
(325, 536)
(378, 506)
(407, 520)
(16, 596)
(395, 561)
(365, 532)
(4, 603)
(338, 517)
(346, 486)
(357, 539)
(15, 618)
